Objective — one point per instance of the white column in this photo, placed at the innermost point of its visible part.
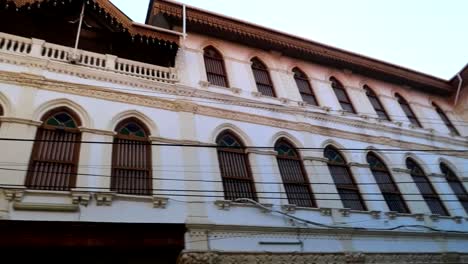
(368, 187)
(265, 169)
(322, 183)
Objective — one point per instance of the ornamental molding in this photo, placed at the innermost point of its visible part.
(39, 82)
(214, 257)
(23, 121)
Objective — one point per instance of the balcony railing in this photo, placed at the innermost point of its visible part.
(40, 49)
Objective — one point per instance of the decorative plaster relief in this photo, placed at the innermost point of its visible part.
(14, 195)
(104, 198)
(289, 208)
(160, 202)
(82, 198)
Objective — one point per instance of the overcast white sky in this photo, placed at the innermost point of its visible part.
(429, 36)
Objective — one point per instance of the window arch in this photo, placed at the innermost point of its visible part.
(342, 95)
(303, 84)
(376, 104)
(235, 168)
(425, 188)
(457, 187)
(55, 154)
(408, 111)
(446, 120)
(387, 186)
(262, 78)
(214, 66)
(347, 188)
(131, 159)
(294, 176)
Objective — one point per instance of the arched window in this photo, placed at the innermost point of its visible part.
(378, 107)
(445, 119)
(347, 188)
(55, 153)
(262, 78)
(235, 168)
(387, 186)
(131, 159)
(408, 111)
(294, 177)
(457, 187)
(425, 188)
(303, 84)
(342, 96)
(214, 65)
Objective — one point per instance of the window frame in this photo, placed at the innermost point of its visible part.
(353, 186)
(39, 146)
(222, 63)
(433, 195)
(410, 115)
(266, 70)
(392, 181)
(371, 94)
(304, 175)
(114, 166)
(448, 123)
(245, 157)
(337, 85)
(296, 72)
(463, 197)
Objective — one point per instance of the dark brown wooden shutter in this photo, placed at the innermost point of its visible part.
(55, 154)
(262, 78)
(304, 87)
(131, 159)
(446, 120)
(376, 104)
(387, 186)
(426, 189)
(214, 65)
(235, 169)
(345, 185)
(342, 96)
(294, 177)
(456, 185)
(408, 111)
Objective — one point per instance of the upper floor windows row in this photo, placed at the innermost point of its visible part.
(217, 75)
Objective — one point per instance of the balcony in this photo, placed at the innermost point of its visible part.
(37, 48)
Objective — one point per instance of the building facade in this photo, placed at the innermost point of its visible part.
(230, 144)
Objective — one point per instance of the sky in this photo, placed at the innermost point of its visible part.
(428, 36)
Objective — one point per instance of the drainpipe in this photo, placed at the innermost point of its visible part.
(460, 81)
(74, 57)
(184, 21)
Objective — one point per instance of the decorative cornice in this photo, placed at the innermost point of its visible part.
(28, 80)
(16, 120)
(214, 257)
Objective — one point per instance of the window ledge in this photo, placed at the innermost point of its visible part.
(50, 207)
(207, 85)
(227, 204)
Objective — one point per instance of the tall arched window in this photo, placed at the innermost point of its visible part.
(408, 111)
(294, 177)
(347, 188)
(387, 186)
(303, 84)
(445, 119)
(425, 188)
(55, 153)
(376, 104)
(457, 187)
(235, 168)
(131, 159)
(342, 96)
(214, 65)
(262, 78)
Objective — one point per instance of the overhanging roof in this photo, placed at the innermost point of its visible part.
(209, 23)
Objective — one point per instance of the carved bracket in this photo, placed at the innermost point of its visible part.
(391, 215)
(223, 204)
(419, 217)
(302, 104)
(236, 90)
(345, 212)
(289, 208)
(159, 202)
(104, 198)
(82, 198)
(284, 100)
(204, 84)
(326, 108)
(325, 211)
(375, 214)
(458, 219)
(435, 217)
(257, 94)
(14, 195)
